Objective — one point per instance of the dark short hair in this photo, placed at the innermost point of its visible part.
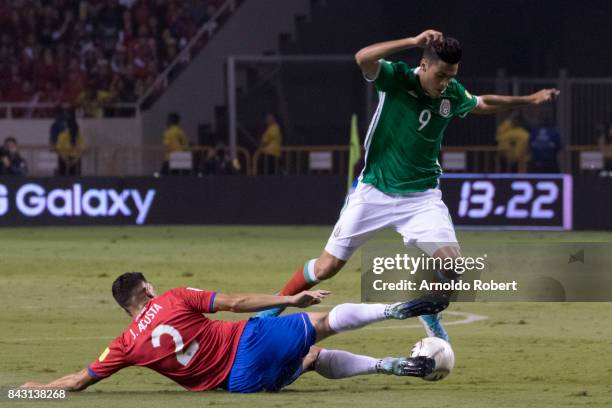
(125, 286)
(174, 118)
(449, 51)
(10, 139)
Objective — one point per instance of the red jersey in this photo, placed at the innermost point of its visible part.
(172, 337)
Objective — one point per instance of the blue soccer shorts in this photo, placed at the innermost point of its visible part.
(270, 353)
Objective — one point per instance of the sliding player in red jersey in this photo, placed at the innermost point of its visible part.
(169, 334)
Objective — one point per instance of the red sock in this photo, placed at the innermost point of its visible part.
(296, 284)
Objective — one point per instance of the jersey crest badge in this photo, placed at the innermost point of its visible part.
(445, 108)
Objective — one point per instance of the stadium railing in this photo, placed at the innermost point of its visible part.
(42, 161)
(294, 160)
(45, 110)
(145, 160)
(333, 160)
(125, 160)
(297, 160)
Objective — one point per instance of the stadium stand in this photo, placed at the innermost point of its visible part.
(91, 52)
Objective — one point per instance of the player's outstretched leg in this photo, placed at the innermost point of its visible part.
(433, 326)
(433, 322)
(303, 279)
(286, 345)
(306, 277)
(336, 364)
(351, 316)
(424, 305)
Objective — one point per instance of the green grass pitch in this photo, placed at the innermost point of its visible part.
(58, 314)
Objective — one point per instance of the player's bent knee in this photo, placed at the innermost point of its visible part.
(327, 266)
(308, 363)
(444, 253)
(320, 322)
(447, 252)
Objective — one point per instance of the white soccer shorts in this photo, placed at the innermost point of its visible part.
(422, 219)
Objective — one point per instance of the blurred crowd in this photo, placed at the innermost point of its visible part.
(88, 53)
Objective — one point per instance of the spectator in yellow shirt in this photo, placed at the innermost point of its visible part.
(270, 145)
(92, 101)
(70, 148)
(512, 144)
(174, 139)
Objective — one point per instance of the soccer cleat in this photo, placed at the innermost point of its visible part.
(413, 366)
(433, 326)
(425, 305)
(274, 312)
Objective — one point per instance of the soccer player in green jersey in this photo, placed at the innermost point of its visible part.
(398, 187)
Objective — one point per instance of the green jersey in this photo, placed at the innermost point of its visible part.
(405, 136)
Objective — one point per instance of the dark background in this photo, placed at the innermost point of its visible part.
(522, 38)
(525, 37)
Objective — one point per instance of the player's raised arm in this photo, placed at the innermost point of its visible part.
(72, 382)
(496, 103)
(254, 302)
(367, 58)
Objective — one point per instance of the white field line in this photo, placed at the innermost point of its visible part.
(468, 318)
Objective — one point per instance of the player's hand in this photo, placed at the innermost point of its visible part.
(309, 298)
(544, 95)
(31, 385)
(428, 37)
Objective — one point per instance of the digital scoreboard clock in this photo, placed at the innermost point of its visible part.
(509, 201)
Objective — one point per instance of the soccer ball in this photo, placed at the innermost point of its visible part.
(441, 351)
